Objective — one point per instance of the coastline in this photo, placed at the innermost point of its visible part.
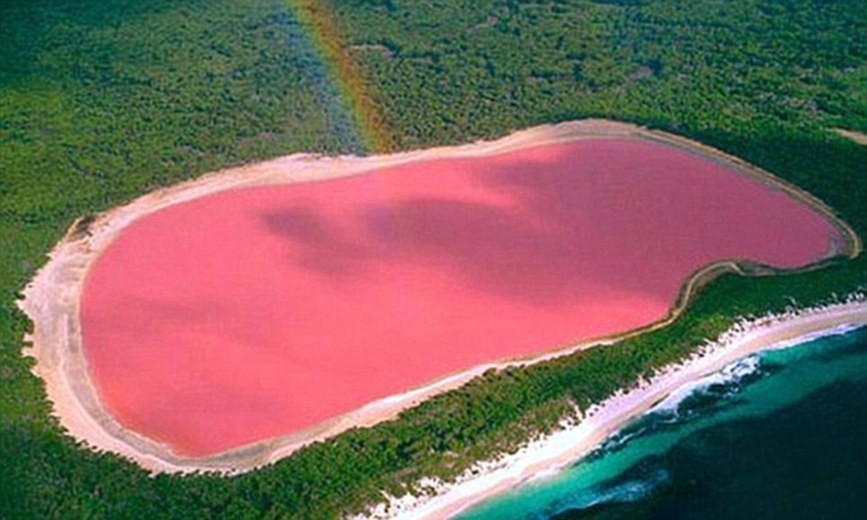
(548, 455)
(52, 298)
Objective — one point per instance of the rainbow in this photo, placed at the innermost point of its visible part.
(344, 74)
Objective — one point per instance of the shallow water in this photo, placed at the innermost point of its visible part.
(780, 434)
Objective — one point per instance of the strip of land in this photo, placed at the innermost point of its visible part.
(548, 455)
(52, 300)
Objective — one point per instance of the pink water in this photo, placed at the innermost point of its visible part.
(259, 312)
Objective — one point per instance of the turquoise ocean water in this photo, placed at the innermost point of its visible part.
(780, 434)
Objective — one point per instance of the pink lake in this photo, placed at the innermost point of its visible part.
(259, 312)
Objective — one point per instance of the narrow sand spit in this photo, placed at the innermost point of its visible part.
(52, 299)
(858, 137)
(554, 452)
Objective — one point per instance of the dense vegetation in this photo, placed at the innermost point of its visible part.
(102, 100)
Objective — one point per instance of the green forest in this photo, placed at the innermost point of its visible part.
(101, 101)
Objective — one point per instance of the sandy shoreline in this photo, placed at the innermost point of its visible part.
(546, 456)
(51, 300)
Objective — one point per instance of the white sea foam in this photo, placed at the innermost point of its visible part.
(730, 374)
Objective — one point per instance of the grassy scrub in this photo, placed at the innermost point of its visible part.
(101, 101)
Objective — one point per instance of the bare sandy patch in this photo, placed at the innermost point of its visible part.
(858, 137)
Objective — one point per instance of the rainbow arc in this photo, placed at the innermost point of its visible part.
(344, 74)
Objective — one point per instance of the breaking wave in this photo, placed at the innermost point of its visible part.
(702, 396)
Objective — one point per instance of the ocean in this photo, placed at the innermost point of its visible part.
(779, 434)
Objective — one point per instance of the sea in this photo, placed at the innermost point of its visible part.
(781, 434)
